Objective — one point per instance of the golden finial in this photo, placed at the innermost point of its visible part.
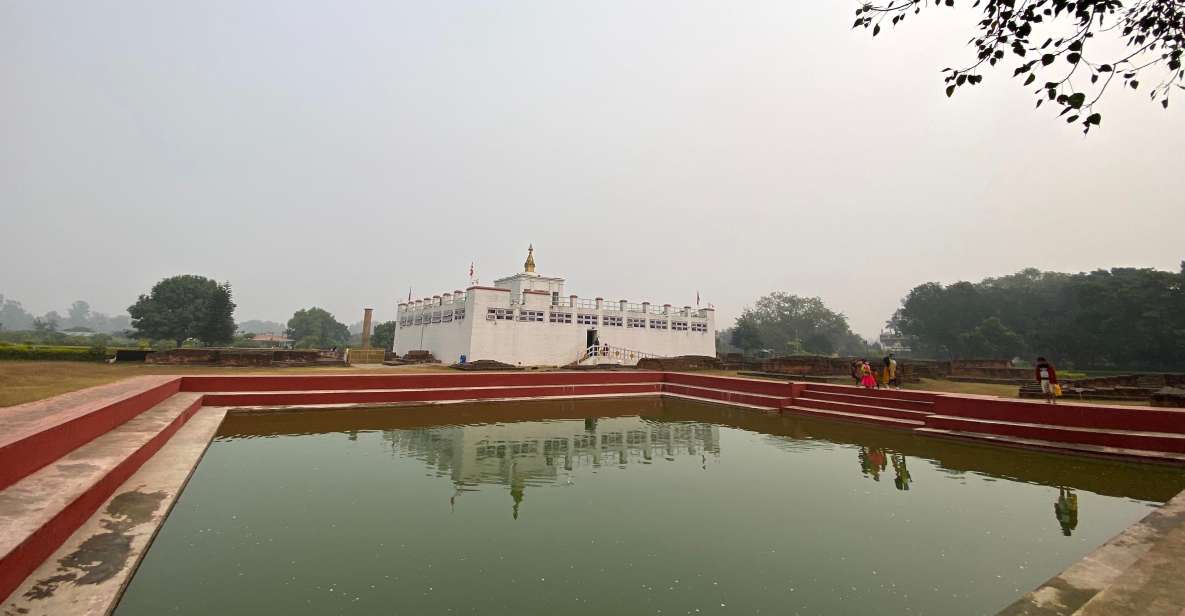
(529, 266)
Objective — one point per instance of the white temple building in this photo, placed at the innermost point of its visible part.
(526, 320)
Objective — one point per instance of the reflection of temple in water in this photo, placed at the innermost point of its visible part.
(533, 453)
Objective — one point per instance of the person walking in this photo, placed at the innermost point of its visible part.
(855, 371)
(1047, 376)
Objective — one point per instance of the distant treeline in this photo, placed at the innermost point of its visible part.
(14, 317)
(1120, 318)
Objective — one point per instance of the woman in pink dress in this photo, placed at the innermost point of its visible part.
(866, 378)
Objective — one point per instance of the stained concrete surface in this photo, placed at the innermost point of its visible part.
(89, 572)
(1136, 573)
(33, 501)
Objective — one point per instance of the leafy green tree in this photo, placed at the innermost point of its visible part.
(219, 328)
(745, 335)
(1056, 38)
(383, 336)
(184, 307)
(792, 324)
(992, 338)
(1120, 318)
(316, 328)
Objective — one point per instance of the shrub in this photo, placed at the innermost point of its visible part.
(52, 353)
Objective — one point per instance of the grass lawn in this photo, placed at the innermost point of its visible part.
(26, 381)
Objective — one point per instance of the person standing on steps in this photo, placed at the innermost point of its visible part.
(866, 377)
(889, 374)
(1047, 376)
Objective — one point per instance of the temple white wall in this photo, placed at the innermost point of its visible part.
(530, 323)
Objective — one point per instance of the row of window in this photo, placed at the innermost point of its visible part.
(438, 316)
(555, 316)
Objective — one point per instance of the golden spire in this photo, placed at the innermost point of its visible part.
(529, 266)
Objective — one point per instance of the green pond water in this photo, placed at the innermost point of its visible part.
(628, 506)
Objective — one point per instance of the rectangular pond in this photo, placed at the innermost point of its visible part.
(620, 506)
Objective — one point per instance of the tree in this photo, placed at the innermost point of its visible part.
(14, 316)
(79, 314)
(792, 324)
(184, 307)
(992, 338)
(219, 326)
(316, 328)
(384, 335)
(745, 335)
(1120, 318)
(1149, 37)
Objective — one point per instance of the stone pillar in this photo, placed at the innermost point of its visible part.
(367, 315)
(666, 309)
(572, 301)
(645, 307)
(623, 303)
(600, 303)
(446, 298)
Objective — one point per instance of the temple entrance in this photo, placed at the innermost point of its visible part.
(591, 338)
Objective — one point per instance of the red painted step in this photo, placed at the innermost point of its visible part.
(35, 434)
(882, 401)
(435, 380)
(899, 394)
(1145, 419)
(380, 396)
(880, 420)
(724, 395)
(40, 511)
(1125, 439)
(752, 386)
(863, 409)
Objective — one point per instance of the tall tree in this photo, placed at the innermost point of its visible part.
(1057, 39)
(184, 307)
(79, 314)
(383, 336)
(316, 328)
(14, 316)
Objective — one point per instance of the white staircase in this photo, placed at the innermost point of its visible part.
(604, 354)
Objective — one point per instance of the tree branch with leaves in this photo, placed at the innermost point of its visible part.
(1077, 71)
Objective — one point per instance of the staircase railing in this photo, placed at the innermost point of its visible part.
(613, 352)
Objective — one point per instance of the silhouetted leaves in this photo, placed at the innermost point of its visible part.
(1153, 30)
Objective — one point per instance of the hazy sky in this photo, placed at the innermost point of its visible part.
(336, 153)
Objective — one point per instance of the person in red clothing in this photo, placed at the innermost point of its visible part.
(1047, 376)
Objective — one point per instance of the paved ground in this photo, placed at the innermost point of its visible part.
(1136, 573)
